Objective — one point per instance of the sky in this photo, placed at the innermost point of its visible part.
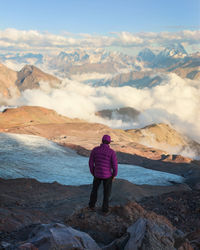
(100, 16)
(116, 24)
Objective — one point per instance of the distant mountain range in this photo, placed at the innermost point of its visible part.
(170, 55)
(79, 61)
(97, 67)
(73, 62)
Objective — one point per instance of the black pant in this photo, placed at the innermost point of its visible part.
(107, 186)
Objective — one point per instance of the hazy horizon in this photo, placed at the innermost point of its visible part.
(114, 25)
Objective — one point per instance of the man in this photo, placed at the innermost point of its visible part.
(103, 166)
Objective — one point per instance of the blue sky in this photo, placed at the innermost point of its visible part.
(123, 25)
(101, 17)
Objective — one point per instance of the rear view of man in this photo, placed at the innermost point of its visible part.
(103, 166)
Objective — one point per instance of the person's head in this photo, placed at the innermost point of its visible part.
(106, 139)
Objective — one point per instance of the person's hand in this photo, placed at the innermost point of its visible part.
(113, 178)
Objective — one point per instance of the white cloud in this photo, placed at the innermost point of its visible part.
(13, 65)
(35, 40)
(90, 76)
(176, 101)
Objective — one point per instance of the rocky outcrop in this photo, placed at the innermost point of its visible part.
(125, 113)
(164, 137)
(58, 236)
(24, 116)
(105, 229)
(25, 204)
(158, 133)
(29, 77)
(134, 228)
(146, 234)
(25, 201)
(182, 209)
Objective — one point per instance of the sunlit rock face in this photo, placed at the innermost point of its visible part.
(35, 157)
(7, 83)
(29, 77)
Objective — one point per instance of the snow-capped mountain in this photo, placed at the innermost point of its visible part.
(167, 57)
(94, 64)
(170, 55)
(90, 61)
(77, 57)
(146, 55)
(175, 51)
(73, 62)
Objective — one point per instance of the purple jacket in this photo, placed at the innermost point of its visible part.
(103, 162)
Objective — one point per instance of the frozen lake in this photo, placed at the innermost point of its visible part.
(28, 156)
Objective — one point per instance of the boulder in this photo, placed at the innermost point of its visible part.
(58, 236)
(27, 246)
(148, 234)
(117, 244)
(105, 229)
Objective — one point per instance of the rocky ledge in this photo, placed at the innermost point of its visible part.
(36, 215)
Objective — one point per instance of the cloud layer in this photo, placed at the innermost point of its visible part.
(176, 101)
(34, 40)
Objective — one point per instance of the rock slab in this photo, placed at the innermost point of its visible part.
(58, 236)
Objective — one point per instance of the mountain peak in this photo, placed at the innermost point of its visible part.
(28, 67)
(146, 55)
(30, 76)
(174, 50)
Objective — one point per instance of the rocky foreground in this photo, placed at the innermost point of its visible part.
(36, 215)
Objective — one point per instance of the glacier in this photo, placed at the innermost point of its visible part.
(30, 156)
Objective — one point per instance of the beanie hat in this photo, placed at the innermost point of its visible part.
(106, 138)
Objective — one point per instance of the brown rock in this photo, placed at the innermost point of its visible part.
(148, 234)
(186, 246)
(181, 208)
(30, 76)
(106, 229)
(7, 83)
(28, 246)
(58, 236)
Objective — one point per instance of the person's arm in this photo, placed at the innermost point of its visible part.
(114, 164)
(91, 162)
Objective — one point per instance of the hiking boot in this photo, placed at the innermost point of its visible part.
(92, 209)
(106, 213)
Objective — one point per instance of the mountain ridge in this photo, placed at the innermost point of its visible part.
(29, 77)
(83, 61)
(78, 134)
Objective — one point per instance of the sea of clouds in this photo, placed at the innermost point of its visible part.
(175, 101)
